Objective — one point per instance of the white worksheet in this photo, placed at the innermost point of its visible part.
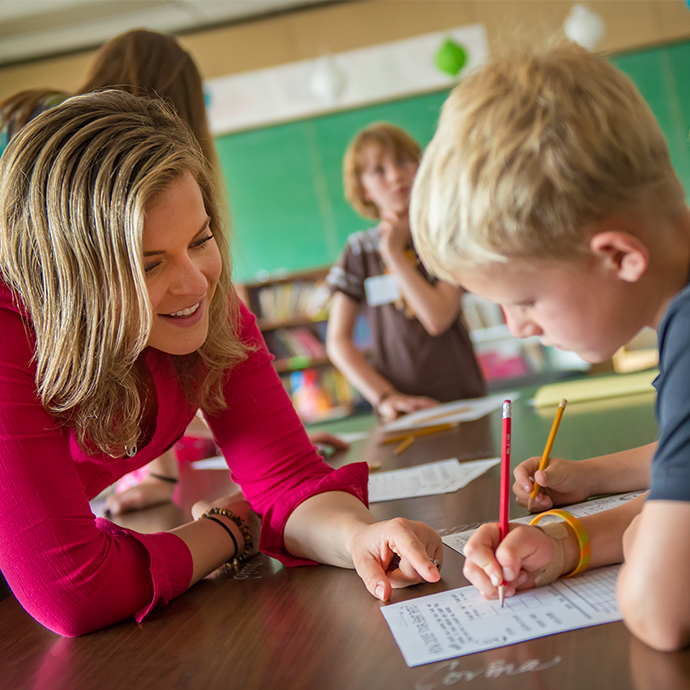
(459, 622)
(442, 477)
(457, 411)
(458, 540)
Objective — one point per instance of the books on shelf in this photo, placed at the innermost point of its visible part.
(285, 343)
(289, 300)
(320, 394)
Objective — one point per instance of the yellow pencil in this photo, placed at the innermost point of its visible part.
(404, 445)
(422, 431)
(547, 451)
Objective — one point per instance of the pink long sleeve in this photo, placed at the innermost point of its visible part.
(268, 450)
(71, 572)
(74, 573)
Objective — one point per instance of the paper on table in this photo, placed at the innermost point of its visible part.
(352, 436)
(457, 411)
(457, 541)
(442, 477)
(216, 463)
(459, 622)
(98, 507)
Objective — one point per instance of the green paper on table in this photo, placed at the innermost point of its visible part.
(596, 388)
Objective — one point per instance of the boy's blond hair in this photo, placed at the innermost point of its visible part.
(531, 150)
(389, 138)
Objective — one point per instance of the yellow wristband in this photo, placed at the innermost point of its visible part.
(580, 533)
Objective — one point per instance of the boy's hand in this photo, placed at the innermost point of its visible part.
(398, 404)
(515, 560)
(395, 235)
(562, 483)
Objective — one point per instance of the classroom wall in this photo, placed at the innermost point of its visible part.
(340, 26)
(284, 182)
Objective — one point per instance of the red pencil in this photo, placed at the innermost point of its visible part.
(505, 484)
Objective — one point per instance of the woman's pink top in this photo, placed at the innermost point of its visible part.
(75, 573)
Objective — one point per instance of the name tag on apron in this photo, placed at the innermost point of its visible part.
(381, 290)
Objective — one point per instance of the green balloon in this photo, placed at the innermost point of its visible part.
(451, 57)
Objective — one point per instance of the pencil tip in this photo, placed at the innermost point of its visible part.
(501, 594)
(530, 503)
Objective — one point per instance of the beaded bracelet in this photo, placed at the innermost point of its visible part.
(246, 534)
(580, 533)
(228, 530)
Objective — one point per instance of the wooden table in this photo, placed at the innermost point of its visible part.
(269, 627)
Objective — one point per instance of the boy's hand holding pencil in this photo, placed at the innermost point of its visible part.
(512, 563)
(563, 483)
(500, 558)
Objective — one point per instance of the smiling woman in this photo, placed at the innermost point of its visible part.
(119, 321)
(182, 267)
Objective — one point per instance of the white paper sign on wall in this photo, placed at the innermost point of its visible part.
(367, 75)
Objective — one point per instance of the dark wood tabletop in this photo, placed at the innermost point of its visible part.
(267, 627)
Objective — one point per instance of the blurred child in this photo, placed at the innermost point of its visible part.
(422, 352)
(548, 188)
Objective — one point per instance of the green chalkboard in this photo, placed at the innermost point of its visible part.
(285, 190)
(284, 183)
(661, 76)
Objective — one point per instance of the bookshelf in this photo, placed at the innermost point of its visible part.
(292, 314)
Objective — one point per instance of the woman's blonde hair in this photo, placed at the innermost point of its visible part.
(74, 187)
(389, 138)
(532, 150)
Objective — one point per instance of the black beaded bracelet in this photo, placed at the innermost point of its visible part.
(229, 531)
(246, 534)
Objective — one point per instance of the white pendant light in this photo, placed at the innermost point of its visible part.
(327, 81)
(584, 26)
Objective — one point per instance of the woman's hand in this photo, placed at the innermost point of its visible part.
(396, 553)
(239, 505)
(516, 560)
(397, 404)
(564, 482)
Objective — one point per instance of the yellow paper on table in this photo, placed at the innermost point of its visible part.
(596, 388)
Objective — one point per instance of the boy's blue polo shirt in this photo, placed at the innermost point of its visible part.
(671, 464)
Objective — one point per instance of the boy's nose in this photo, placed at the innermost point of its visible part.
(520, 327)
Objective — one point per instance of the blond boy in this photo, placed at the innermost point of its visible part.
(422, 353)
(548, 188)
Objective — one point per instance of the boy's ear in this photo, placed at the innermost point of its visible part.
(622, 252)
